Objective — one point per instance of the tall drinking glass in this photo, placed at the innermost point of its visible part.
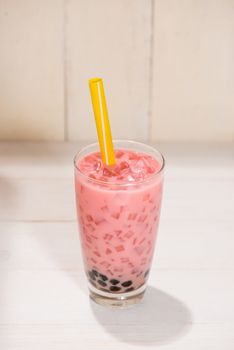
(118, 225)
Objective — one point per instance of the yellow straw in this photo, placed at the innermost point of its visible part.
(102, 121)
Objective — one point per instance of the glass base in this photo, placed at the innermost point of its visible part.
(116, 300)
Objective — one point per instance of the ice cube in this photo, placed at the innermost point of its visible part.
(97, 166)
(108, 172)
(119, 153)
(138, 167)
(123, 165)
(130, 178)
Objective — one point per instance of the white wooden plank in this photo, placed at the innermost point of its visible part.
(64, 336)
(37, 199)
(198, 199)
(37, 159)
(110, 39)
(195, 244)
(31, 70)
(193, 71)
(43, 246)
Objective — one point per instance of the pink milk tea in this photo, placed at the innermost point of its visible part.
(118, 211)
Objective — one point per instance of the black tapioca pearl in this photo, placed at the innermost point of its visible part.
(103, 284)
(91, 275)
(146, 273)
(114, 281)
(127, 283)
(93, 283)
(129, 289)
(95, 273)
(103, 277)
(114, 288)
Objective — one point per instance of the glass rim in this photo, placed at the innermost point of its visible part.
(127, 184)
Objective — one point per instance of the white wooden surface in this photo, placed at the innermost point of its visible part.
(167, 67)
(193, 87)
(31, 70)
(110, 39)
(43, 296)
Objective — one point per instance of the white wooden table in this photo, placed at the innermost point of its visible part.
(43, 295)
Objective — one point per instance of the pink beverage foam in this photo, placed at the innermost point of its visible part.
(118, 210)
